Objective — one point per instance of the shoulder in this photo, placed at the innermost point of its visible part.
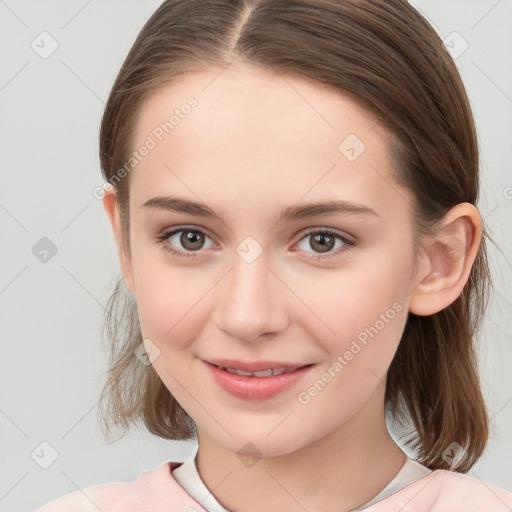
(153, 490)
(447, 491)
(458, 488)
(97, 497)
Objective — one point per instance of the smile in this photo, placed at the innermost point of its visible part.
(262, 373)
(257, 383)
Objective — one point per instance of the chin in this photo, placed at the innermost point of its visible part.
(259, 444)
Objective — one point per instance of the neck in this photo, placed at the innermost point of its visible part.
(339, 472)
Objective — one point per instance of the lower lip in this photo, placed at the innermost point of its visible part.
(256, 388)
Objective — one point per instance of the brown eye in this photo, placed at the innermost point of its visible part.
(322, 242)
(325, 242)
(192, 240)
(184, 241)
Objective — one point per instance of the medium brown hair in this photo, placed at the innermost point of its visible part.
(384, 55)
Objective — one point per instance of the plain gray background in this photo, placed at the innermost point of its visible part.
(52, 364)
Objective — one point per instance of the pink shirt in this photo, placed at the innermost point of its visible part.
(156, 490)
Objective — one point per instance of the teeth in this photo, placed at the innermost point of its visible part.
(240, 372)
(261, 373)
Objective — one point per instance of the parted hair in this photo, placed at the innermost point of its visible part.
(384, 55)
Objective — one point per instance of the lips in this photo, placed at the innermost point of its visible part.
(256, 380)
(254, 366)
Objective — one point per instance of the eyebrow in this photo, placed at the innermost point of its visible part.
(294, 212)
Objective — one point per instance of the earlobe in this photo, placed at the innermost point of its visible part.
(449, 258)
(112, 211)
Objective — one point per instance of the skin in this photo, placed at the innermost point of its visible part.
(255, 143)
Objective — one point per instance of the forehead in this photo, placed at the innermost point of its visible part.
(280, 137)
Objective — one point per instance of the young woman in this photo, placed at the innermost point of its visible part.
(292, 190)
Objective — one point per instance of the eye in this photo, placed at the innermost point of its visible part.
(183, 240)
(324, 242)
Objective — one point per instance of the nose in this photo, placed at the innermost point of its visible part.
(251, 301)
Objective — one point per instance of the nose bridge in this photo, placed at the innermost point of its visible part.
(249, 305)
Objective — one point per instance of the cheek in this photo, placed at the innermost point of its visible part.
(173, 310)
(360, 314)
(367, 331)
(172, 301)
(342, 305)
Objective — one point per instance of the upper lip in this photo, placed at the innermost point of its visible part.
(253, 366)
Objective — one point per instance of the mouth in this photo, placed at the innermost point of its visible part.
(269, 372)
(256, 380)
(265, 368)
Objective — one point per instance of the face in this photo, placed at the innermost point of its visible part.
(323, 290)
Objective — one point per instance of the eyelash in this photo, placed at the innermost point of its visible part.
(163, 237)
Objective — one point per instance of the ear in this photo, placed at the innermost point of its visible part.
(112, 210)
(450, 254)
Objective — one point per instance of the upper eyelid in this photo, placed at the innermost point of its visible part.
(176, 229)
(341, 234)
